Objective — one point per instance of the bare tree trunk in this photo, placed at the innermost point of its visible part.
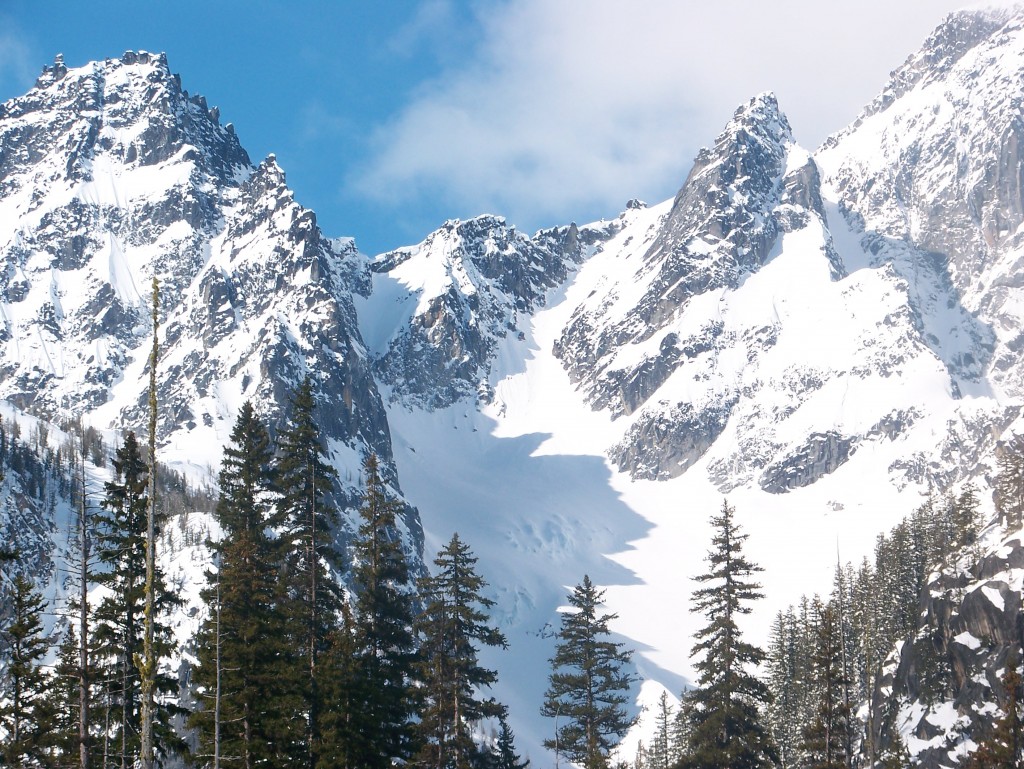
(83, 624)
(216, 700)
(106, 729)
(147, 665)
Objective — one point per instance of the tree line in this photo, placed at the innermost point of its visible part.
(289, 667)
(805, 702)
(292, 666)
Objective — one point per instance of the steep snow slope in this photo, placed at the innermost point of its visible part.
(526, 483)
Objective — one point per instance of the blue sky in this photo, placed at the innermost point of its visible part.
(389, 118)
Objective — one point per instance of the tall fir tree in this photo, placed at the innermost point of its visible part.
(1009, 486)
(450, 677)
(308, 518)
(660, 748)
(345, 689)
(785, 670)
(727, 730)
(118, 625)
(121, 527)
(588, 683)
(679, 731)
(65, 699)
(505, 755)
(81, 604)
(246, 672)
(146, 662)
(27, 715)
(828, 738)
(385, 646)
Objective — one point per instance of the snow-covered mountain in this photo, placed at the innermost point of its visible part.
(814, 333)
(824, 336)
(111, 175)
(437, 311)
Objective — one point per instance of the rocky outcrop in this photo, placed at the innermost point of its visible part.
(942, 687)
(467, 286)
(819, 456)
(722, 226)
(664, 445)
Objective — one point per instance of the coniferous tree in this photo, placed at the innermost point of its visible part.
(304, 510)
(344, 688)
(246, 671)
(118, 626)
(679, 739)
(785, 667)
(505, 756)
(658, 754)
(587, 684)
(895, 755)
(1009, 486)
(965, 517)
(841, 602)
(26, 714)
(640, 761)
(81, 605)
(827, 738)
(65, 737)
(385, 644)
(727, 730)
(118, 618)
(453, 622)
(146, 662)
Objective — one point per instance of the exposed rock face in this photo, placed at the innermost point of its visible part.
(822, 454)
(110, 175)
(920, 198)
(666, 445)
(722, 225)
(930, 176)
(942, 686)
(457, 294)
(634, 342)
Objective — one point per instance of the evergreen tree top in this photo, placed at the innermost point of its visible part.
(724, 720)
(588, 683)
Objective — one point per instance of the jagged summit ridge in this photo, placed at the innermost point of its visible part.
(955, 37)
(729, 181)
(928, 183)
(634, 343)
(440, 308)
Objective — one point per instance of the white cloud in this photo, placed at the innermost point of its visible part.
(571, 107)
(17, 64)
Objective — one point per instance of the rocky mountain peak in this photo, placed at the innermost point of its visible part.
(112, 174)
(129, 112)
(929, 179)
(761, 116)
(448, 301)
(742, 194)
(730, 183)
